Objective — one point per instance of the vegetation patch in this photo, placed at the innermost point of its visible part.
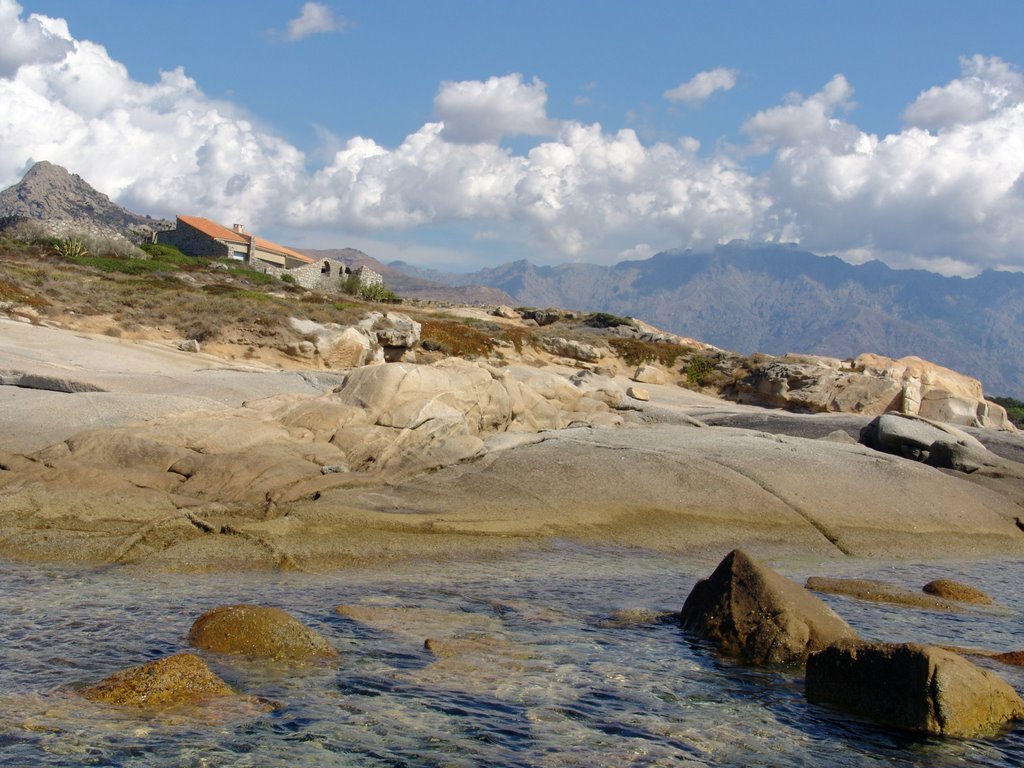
(12, 292)
(1014, 409)
(635, 351)
(699, 370)
(606, 320)
(125, 266)
(168, 254)
(455, 338)
(519, 337)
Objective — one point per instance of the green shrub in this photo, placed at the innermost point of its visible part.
(606, 320)
(699, 370)
(1014, 409)
(286, 278)
(377, 292)
(168, 254)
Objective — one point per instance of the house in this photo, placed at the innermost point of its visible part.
(196, 236)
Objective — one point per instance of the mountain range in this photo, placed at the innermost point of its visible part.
(775, 299)
(742, 296)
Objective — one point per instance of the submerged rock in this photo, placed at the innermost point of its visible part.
(260, 631)
(180, 679)
(912, 687)
(759, 616)
(880, 592)
(954, 590)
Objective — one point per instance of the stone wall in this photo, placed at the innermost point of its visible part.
(325, 275)
(192, 242)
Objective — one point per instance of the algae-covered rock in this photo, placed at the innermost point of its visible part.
(260, 631)
(180, 679)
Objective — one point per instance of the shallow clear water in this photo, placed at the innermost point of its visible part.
(567, 684)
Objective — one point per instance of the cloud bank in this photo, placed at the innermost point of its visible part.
(946, 192)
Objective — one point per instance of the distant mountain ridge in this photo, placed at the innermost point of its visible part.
(64, 202)
(777, 299)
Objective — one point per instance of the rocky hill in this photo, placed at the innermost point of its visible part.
(65, 202)
(777, 299)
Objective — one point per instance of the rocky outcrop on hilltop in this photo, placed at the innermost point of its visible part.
(65, 203)
(870, 385)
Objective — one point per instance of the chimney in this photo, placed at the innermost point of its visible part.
(238, 228)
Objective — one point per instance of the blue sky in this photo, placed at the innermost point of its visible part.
(465, 134)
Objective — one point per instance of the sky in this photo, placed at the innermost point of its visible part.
(463, 134)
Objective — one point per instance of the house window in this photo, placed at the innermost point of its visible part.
(325, 268)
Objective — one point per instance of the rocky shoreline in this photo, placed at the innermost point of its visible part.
(156, 458)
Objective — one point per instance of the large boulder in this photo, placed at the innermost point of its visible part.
(871, 385)
(392, 329)
(255, 630)
(934, 392)
(817, 385)
(912, 687)
(913, 436)
(750, 612)
(573, 349)
(172, 681)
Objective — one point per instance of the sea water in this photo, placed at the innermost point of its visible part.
(584, 674)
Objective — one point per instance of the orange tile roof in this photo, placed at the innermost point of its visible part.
(213, 229)
(266, 245)
(220, 232)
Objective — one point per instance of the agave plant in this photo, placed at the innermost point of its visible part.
(70, 248)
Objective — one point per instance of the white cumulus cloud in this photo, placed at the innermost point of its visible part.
(313, 19)
(947, 201)
(803, 120)
(482, 111)
(38, 39)
(987, 86)
(702, 85)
